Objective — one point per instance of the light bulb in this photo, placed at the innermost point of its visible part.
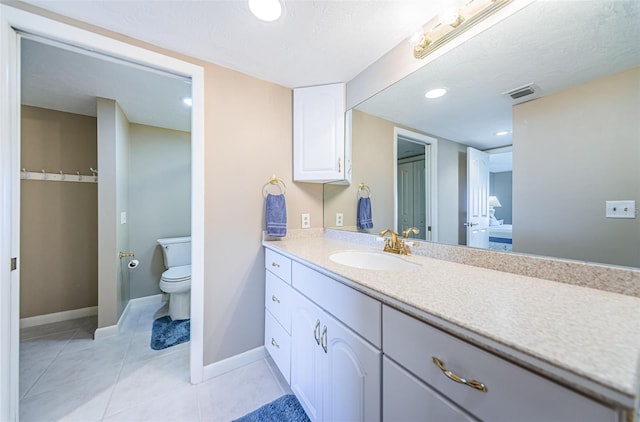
(435, 93)
(266, 10)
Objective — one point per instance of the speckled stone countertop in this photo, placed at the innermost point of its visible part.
(589, 336)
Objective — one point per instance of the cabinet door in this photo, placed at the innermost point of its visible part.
(406, 398)
(318, 133)
(351, 390)
(306, 356)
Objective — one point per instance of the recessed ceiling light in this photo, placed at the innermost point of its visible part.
(435, 93)
(266, 10)
(502, 133)
(187, 101)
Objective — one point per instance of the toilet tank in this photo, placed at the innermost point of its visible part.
(176, 251)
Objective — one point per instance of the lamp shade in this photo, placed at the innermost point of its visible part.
(493, 202)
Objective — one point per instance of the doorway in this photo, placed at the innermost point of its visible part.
(13, 19)
(415, 185)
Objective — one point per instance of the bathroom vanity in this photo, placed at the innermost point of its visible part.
(445, 340)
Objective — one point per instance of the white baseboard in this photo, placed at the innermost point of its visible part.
(58, 316)
(113, 330)
(234, 362)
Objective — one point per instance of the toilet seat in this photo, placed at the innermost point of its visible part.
(177, 274)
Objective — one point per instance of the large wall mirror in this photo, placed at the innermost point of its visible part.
(555, 156)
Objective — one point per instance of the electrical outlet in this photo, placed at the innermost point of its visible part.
(339, 218)
(306, 221)
(621, 209)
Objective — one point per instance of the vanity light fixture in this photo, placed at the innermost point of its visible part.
(452, 22)
(435, 93)
(266, 10)
(502, 133)
(187, 101)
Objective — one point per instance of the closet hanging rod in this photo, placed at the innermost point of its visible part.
(58, 177)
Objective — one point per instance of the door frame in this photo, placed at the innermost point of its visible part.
(12, 19)
(431, 176)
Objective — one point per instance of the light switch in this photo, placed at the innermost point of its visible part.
(621, 209)
(123, 217)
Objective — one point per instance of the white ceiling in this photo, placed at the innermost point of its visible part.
(314, 42)
(60, 79)
(554, 44)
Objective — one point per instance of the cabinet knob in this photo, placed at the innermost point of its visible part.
(471, 383)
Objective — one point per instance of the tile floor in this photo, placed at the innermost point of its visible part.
(65, 375)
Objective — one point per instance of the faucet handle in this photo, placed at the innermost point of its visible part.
(410, 230)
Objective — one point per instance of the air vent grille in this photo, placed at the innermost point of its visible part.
(520, 92)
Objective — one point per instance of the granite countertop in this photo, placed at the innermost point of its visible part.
(590, 334)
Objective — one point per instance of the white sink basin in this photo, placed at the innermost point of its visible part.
(370, 260)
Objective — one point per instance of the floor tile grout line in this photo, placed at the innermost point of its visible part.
(115, 384)
(26, 394)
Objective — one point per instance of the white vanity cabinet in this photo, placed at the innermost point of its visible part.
(321, 152)
(512, 393)
(325, 339)
(277, 314)
(335, 373)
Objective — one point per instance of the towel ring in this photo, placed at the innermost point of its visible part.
(363, 188)
(273, 180)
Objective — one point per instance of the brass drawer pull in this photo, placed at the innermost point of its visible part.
(274, 343)
(471, 383)
(273, 264)
(275, 299)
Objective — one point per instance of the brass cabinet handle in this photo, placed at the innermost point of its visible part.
(315, 332)
(324, 338)
(274, 343)
(471, 383)
(273, 264)
(275, 299)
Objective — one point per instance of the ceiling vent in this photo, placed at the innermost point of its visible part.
(520, 92)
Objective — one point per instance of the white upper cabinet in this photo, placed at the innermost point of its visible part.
(320, 152)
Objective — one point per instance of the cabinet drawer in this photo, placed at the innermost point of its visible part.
(513, 393)
(278, 343)
(277, 300)
(278, 264)
(406, 398)
(357, 311)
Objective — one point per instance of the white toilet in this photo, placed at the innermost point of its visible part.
(176, 281)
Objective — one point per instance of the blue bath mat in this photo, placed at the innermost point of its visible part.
(284, 409)
(167, 332)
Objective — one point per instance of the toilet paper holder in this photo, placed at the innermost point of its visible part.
(125, 255)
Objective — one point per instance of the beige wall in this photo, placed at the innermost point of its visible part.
(588, 138)
(373, 164)
(59, 227)
(159, 199)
